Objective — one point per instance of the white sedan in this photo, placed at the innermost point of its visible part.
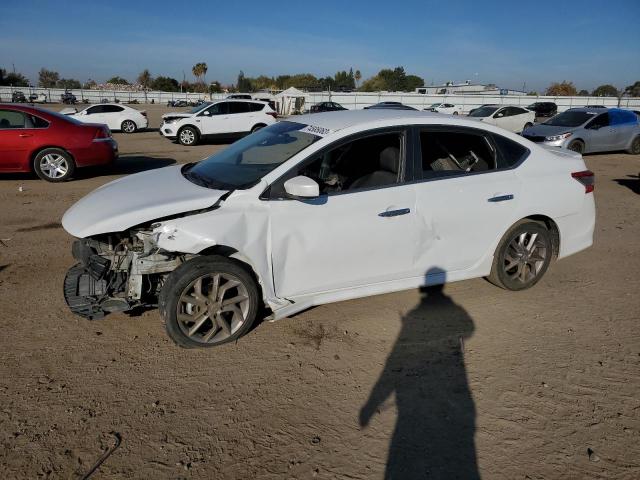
(449, 108)
(323, 208)
(509, 117)
(116, 117)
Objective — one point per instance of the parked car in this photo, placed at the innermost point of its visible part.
(239, 96)
(544, 109)
(68, 98)
(481, 106)
(326, 107)
(587, 130)
(116, 117)
(448, 108)
(50, 144)
(222, 119)
(177, 103)
(18, 97)
(390, 105)
(509, 117)
(37, 98)
(328, 207)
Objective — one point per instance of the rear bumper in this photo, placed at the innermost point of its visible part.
(98, 153)
(576, 231)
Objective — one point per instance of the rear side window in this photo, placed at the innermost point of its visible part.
(238, 107)
(38, 122)
(454, 153)
(95, 109)
(622, 117)
(509, 153)
(600, 121)
(256, 107)
(12, 119)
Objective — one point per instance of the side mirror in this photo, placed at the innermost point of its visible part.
(499, 115)
(302, 187)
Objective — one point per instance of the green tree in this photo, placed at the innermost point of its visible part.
(118, 80)
(532, 93)
(633, 90)
(48, 78)
(165, 84)
(583, 93)
(68, 83)
(395, 80)
(215, 87)
(563, 88)
(413, 82)
(243, 84)
(605, 91)
(15, 79)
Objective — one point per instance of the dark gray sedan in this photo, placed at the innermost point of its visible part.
(587, 130)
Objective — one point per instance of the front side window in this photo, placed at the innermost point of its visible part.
(245, 162)
(452, 153)
(218, 109)
(111, 108)
(369, 162)
(600, 121)
(38, 122)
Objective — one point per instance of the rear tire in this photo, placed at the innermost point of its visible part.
(634, 149)
(576, 146)
(208, 301)
(128, 126)
(188, 136)
(54, 165)
(522, 256)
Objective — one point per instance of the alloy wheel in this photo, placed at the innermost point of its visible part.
(187, 137)
(525, 257)
(213, 307)
(128, 126)
(54, 165)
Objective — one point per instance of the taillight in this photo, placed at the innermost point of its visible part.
(102, 133)
(586, 178)
(273, 114)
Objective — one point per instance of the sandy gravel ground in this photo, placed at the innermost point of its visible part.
(465, 382)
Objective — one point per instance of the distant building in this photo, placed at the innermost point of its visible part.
(467, 88)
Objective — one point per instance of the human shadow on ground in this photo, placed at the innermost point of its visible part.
(632, 182)
(434, 433)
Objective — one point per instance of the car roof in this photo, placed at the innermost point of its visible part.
(347, 118)
(589, 109)
(24, 108)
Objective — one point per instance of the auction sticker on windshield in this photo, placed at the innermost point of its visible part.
(319, 131)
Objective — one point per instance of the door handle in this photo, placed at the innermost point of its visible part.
(394, 213)
(501, 198)
(25, 135)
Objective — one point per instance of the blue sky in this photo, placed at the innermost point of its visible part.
(588, 42)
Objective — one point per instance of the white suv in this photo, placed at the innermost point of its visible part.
(226, 118)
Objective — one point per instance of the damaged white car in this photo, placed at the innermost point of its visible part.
(328, 207)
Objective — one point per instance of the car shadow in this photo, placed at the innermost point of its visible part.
(125, 165)
(435, 426)
(632, 182)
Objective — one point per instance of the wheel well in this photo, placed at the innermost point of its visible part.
(192, 126)
(229, 252)
(35, 153)
(553, 229)
(262, 125)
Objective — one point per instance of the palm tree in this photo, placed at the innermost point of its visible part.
(199, 71)
(357, 76)
(144, 79)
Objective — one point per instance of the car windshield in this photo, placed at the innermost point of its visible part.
(483, 112)
(569, 119)
(197, 108)
(245, 162)
(435, 105)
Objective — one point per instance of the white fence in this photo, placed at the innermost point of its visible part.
(352, 101)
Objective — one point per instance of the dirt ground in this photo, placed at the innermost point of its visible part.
(465, 382)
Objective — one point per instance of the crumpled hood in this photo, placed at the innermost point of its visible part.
(547, 130)
(177, 115)
(136, 199)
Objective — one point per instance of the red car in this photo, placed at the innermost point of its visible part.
(49, 144)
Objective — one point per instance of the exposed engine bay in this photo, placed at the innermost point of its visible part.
(117, 272)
